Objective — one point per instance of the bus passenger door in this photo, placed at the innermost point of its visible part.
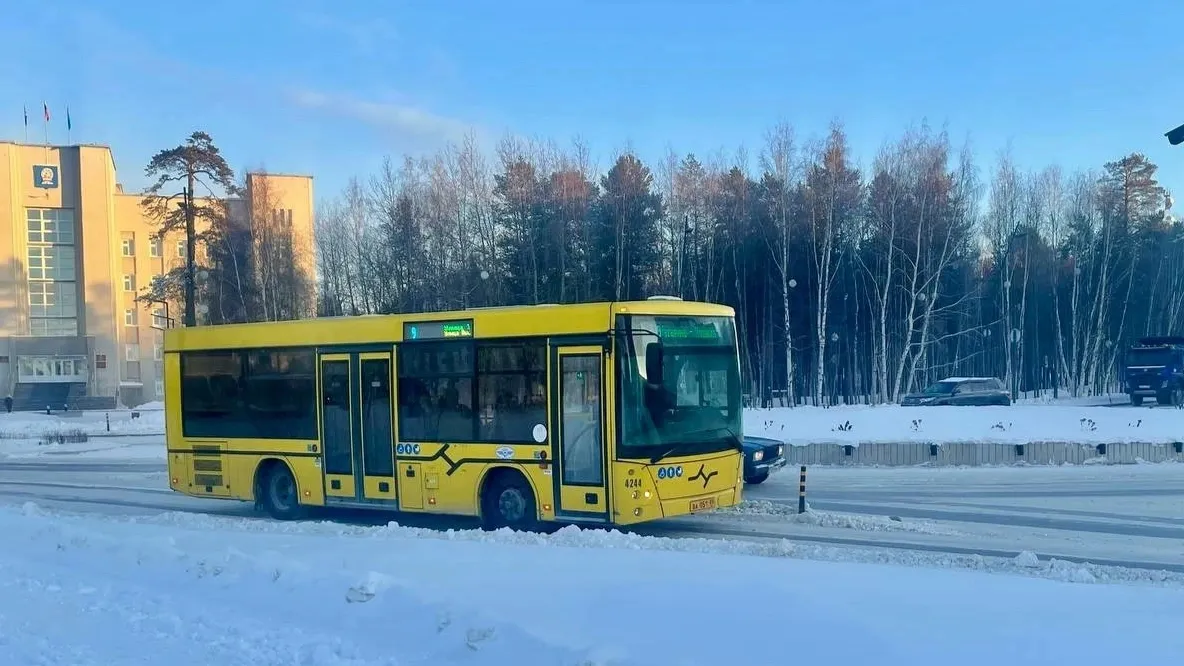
(579, 433)
(337, 426)
(356, 427)
(377, 440)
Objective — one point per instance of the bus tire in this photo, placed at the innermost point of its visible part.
(278, 491)
(508, 501)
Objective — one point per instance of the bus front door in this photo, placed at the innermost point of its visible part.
(356, 427)
(579, 433)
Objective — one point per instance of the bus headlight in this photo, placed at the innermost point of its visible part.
(758, 456)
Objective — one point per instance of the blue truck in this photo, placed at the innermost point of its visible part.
(1155, 368)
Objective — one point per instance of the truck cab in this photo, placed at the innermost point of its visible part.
(1155, 367)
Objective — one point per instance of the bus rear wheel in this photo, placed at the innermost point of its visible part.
(279, 493)
(508, 501)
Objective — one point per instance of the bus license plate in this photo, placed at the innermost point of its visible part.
(702, 504)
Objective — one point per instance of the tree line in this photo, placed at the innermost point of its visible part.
(850, 284)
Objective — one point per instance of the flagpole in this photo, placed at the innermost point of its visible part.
(25, 108)
(45, 118)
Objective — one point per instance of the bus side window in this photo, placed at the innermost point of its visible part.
(511, 390)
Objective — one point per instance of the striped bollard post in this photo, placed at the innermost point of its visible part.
(802, 491)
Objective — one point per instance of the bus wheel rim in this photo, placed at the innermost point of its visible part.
(512, 504)
(282, 491)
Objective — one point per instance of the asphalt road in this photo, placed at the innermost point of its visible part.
(1131, 516)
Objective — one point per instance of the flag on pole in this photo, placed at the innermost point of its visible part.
(25, 108)
(69, 125)
(45, 110)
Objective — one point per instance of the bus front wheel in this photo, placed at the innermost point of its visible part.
(279, 494)
(508, 501)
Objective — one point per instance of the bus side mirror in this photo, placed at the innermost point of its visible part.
(653, 362)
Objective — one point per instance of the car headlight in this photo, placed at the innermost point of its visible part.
(780, 450)
(758, 456)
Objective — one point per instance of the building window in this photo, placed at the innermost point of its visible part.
(51, 262)
(52, 299)
(181, 249)
(100, 361)
(36, 369)
(160, 388)
(129, 282)
(158, 318)
(52, 226)
(132, 352)
(155, 248)
(157, 352)
(129, 247)
(129, 317)
(53, 328)
(51, 265)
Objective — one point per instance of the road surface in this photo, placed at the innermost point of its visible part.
(1131, 516)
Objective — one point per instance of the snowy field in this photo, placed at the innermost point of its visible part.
(102, 564)
(1021, 423)
(1105, 419)
(87, 589)
(115, 433)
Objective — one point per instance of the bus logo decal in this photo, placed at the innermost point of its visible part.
(504, 452)
(407, 449)
(706, 477)
(669, 472)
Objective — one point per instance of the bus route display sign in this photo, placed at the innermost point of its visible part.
(437, 330)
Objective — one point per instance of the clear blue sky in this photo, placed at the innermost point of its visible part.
(329, 88)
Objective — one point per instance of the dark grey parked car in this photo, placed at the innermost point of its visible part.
(961, 391)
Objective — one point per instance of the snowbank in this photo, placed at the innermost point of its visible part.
(34, 425)
(106, 591)
(1017, 424)
(26, 433)
(32, 434)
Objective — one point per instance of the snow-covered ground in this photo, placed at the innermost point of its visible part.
(1016, 424)
(200, 590)
(1084, 420)
(107, 434)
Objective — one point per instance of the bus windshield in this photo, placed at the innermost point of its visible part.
(679, 386)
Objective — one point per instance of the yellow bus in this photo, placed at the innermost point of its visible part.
(599, 413)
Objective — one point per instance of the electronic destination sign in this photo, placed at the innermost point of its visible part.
(437, 330)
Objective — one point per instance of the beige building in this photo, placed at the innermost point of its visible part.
(75, 251)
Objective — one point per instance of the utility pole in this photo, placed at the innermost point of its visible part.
(190, 242)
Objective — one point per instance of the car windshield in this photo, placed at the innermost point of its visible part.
(940, 388)
(1141, 357)
(694, 406)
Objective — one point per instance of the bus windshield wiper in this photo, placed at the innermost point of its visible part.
(658, 457)
(732, 439)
